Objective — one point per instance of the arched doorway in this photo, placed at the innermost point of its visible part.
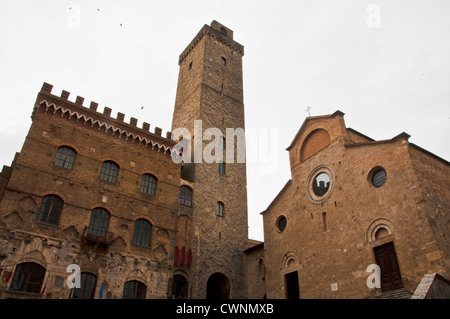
(218, 287)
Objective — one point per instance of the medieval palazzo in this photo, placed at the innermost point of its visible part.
(105, 199)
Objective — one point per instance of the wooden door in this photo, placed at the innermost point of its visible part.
(386, 258)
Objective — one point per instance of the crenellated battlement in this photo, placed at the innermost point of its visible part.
(217, 31)
(101, 120)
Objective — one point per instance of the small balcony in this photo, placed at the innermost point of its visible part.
(97, 239)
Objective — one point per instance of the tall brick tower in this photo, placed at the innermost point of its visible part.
(210, 89)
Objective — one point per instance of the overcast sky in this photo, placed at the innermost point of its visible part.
(385, 64)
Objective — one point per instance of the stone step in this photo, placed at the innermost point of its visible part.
(395, 294)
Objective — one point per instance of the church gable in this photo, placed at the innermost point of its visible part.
(316, 133)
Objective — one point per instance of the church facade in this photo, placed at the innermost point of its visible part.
(96, 207)
(353, 203)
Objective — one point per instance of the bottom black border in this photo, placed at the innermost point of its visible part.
(218, 309)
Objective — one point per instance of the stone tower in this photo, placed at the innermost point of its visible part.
(213, 227)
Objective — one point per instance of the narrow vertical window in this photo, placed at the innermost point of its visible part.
(222, 168)
(148, 184)
(223, 60)
(65, 157)
(220, 209)
(51, 208)
(324, 220)
(185, 196)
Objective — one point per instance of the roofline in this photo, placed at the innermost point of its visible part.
(429, 153)
(289, 182)
(400, 136)
(359, 133)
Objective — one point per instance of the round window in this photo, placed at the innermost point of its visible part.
(321, 184)
(281, 223)
(378, 177)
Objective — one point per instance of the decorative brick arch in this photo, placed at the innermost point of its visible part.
(137, 275)
(34, 256)
(378, 224)
(290, 260)
(314, 142)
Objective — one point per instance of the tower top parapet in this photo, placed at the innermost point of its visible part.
(220, 32)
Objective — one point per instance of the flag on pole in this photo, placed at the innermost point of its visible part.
(101, 290)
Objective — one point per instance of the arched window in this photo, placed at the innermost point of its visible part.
(65, 157)
(134, 290)
(148, 184)
(220, 209)
(109, 172)
(185, 196)
(28, 277)
(51, 208)
(98, 225)
(87, 287)
(141, 235)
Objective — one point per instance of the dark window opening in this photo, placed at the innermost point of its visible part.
(109, 172)
(28, 277)
(281, 223)
(179, 287)
(65, 157)
(141, 234)
(50, 209)
(134, 290)
(324, 220)
(148, 184)
(223, 60)
(222, 168)
(98, 224)
(220, 209)
(185, 196)
(87, 287)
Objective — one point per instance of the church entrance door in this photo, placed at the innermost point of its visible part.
(292, 287)
(386, 258)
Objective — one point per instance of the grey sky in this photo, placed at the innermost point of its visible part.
(322, 54)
